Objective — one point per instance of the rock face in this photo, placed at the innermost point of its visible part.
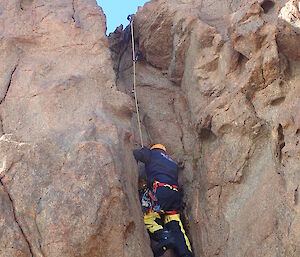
(218, 84)
(67, 180)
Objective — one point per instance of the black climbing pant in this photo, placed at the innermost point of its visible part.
(166, 217)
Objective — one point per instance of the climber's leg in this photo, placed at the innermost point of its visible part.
(168, 199)
(166, 241)
(151, 220)
(182, 243)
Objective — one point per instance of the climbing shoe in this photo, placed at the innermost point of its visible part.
(187, 255)
(166, 241)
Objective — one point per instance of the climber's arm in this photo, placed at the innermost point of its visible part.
(143, 155)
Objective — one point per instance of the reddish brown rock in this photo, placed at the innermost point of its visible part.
(13, 242)
(65, 131)
(289, 30)
(239, 89)
(217, 84)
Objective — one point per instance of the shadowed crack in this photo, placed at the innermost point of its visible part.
(73, 15)
(267, 5)
(15, 216)
(280, 143)
(38, 229)
(9, 83)
(250, 104)
(296, 196)
(1, 127)
(263, 75)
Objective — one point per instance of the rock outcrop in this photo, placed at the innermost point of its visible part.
(67, 180)
(218, 84)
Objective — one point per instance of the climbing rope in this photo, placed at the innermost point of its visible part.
(130, 18)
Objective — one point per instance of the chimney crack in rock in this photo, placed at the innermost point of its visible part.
(9, 82)
(15, 216)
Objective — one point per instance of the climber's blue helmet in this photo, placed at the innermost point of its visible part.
(159, 146)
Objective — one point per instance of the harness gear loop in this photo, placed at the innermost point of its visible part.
(130, 18)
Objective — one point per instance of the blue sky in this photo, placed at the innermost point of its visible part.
(116, 11)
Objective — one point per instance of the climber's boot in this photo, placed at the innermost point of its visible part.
(166, 241)
(187, 255)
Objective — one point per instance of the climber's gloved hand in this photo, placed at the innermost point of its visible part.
(130, 17)
(137, 155)
(142, 155)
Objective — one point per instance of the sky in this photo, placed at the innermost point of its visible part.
(116, 11)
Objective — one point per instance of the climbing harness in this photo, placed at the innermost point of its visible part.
(130, 18)
(146, 200)
(157, 184)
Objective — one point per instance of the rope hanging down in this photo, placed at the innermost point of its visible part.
(130, 18)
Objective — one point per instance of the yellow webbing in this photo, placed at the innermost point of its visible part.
(151, 224)
(134, 82)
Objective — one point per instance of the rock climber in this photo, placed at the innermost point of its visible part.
(162, 217)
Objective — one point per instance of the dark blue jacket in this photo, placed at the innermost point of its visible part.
(159, 166)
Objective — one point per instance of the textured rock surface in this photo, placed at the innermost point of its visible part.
(66, 183)
(218, 84)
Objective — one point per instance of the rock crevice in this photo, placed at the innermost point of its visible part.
(232, 76)
(15, 216)
(10, 81)
(217, 84)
